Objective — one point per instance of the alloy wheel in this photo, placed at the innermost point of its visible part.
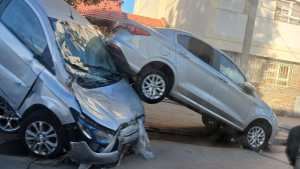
(9, 122)
(41, 138)
(256, 137)
(154, 86)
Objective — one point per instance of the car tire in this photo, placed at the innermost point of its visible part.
(9, 121)
(210, 123)
(256, 136)
(43, 135)
(153, 85)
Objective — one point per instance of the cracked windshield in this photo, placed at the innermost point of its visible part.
(85, 52)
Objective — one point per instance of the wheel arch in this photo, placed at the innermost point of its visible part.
(47, 105)
(164, 66)
(39, 107)
(262, 121)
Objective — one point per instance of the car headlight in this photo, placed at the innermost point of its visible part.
(94, 132)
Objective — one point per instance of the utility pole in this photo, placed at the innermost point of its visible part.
(251, 7)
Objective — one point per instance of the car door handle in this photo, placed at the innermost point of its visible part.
(222, 79)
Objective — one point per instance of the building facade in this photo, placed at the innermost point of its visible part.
(275, 51)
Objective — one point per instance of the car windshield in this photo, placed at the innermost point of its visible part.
(85, 54)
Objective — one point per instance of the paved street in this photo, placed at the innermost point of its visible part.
(178, 141)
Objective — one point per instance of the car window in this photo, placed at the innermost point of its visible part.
(228, 68)
(19, 18)
(197, 48)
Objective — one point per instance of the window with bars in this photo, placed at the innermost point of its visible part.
(278, 74)
(271, 72)
(288, 11)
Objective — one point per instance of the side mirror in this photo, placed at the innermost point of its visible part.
(249, 89)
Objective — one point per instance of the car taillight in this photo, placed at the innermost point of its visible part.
(134, 30)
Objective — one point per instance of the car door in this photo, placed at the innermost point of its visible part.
(196, 80)
(229, 93)
(22, 39)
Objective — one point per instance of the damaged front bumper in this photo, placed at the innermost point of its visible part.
(127, 136)
(83, 154)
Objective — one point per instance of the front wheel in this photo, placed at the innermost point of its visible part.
(256, 136)
(43, 135)
(153, 86)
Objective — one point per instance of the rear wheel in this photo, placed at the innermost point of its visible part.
(9, 122)
(210, 123)
(43, 135)
(153, 85)
(256, 136)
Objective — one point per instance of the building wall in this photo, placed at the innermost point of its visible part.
(222, 23)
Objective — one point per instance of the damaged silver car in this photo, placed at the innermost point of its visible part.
(60, 88)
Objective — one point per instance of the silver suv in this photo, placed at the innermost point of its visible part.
(59, 87)
(173, 63)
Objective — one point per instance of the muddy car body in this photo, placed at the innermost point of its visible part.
(59, 88)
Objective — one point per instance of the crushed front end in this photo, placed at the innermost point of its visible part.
(96, 145)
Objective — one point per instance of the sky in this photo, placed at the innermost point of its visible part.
(128, 6)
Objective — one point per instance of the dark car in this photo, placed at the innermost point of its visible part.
(293, 147)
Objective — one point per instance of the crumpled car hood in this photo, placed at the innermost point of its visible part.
(110, 106)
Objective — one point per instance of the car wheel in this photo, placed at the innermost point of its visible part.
(43, 135)
(256, 136)
(153, 86)
(210, 123)
(9, 122)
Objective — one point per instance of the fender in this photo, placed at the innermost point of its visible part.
(48, 92)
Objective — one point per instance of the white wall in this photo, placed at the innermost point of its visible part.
(222, 23)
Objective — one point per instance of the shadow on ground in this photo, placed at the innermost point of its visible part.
(195, 136)
(11, 145)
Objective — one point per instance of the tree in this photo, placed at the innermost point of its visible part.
(88, 2)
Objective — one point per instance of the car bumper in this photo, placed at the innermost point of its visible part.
(83, 154)
(125, 138)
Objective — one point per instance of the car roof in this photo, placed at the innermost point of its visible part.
(60, 10)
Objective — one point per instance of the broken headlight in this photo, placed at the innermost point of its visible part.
(95, 132)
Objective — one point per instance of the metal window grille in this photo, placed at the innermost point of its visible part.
(288, 11)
